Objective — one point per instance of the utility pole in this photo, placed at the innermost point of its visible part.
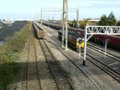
(65, 23)
(78, 25)
(41, 16)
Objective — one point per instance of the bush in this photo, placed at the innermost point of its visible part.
(9, 54)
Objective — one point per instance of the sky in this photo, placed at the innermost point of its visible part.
(30, 9)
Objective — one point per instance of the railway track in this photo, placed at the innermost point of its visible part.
(104, 67)
(38, 74)
(31, 68)
(115, 61)
(48, 58)
(112, 68)
(108, 69)
(77, 66)
(60, 76)
(111, 54)
(101, 50)
(71, 60)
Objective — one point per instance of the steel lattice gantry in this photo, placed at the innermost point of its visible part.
(64, 20)
(55, 10)
(98, 30)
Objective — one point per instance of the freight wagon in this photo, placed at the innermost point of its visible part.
(39, 32)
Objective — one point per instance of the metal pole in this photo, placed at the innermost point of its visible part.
(79, 51)
(85, 45)
(41, 16)
(78, 18)
(66, 25)
(63, 23)
(106, 42)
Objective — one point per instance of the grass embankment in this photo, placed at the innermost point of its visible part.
(9, 56)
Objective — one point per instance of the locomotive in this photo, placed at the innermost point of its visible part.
(75, 38)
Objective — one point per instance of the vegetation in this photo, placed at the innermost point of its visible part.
(108, 20)
(103, 20)
(118, 23)
(83, 23)
(73, 23)
(9, 55)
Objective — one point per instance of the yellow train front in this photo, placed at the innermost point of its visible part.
(75, 38)
(80, 43)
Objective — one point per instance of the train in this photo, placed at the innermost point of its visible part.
(113, 41)
(38, 32)
(76, 37)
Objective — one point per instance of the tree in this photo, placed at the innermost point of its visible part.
(118, 23)
(111, 19)
(103, 20)
(74, 23)
(108, 21)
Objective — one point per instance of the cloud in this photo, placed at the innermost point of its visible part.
(98, 3)
(106, 4)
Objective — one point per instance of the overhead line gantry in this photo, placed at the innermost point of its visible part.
(98, 30)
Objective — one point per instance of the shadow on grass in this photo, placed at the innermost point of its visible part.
(8, 72)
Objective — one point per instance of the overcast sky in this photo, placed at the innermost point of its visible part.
(30, 9)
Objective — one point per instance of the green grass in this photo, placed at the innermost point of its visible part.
(9, 56)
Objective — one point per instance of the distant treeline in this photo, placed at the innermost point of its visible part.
(104, 20)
